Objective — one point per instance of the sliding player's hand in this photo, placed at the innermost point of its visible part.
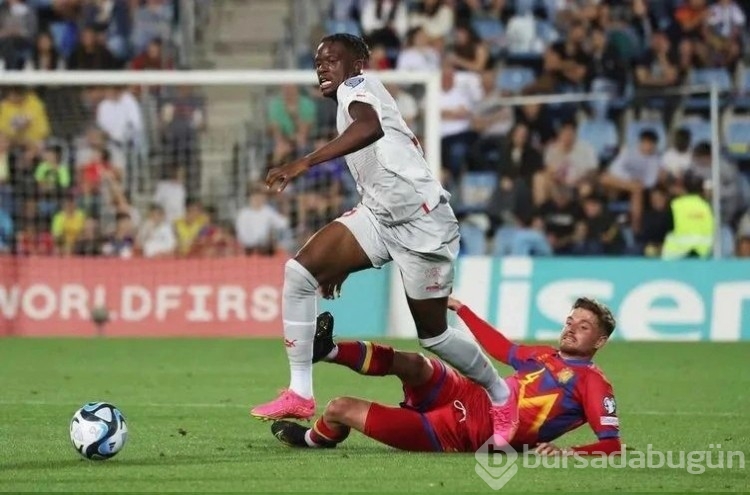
(279, 177)
(454, 304)
(332, 290)
(545, 448)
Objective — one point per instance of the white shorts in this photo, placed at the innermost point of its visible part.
(424, 249)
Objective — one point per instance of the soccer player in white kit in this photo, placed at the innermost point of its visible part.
(404, 216)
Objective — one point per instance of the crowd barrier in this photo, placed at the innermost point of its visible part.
(527, 298)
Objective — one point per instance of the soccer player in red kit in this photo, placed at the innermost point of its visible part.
(556, 390)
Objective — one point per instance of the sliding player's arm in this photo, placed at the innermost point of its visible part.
(494, 342)
(600, 409)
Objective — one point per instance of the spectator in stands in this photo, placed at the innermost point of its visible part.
(520, 232)
(113, 18)
(33, 241)
(568, 160)
(468, 52)
(519, 160)
(692, 228)
(551, 77)
(222, 242)
(182, 121)
(319, 195)
(743, 236)
(560, 215)
(726, 22)
(598, 232)
(121, 244)
(171, 194)
(419, 54)
(607, 71)
(6, 229)
(67, 225)
(23, 117)
(642, 23)
(291, 116)
(658, 69)
(6, 166)
(492, 121)
(189, 227)
(89, 242)
(691, 17)
(657, 222)
(120, 116)
(152, 58)
(92, 173)
(461, 92)
(91, 53)
(734, 195)
(259, 225)
(345, 10)
(23, 184)
(18, 25)
(574, 60)
(156, 237)
(435, 17)
(539, 121)
(45, 55)
(633, 171)
(53, 180)
(379, 59)
(150, 20)
(384, 22)
(678, 158)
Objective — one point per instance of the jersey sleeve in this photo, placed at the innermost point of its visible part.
(600, 407)
(356, 89)
(495, 343)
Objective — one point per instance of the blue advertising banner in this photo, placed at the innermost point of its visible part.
(362, 309)
(690, 300)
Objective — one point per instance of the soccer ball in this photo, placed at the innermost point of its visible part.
(98, 431)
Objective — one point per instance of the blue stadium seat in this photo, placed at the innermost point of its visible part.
(742, 100)
(524, 6)
(635, 127)
(491, 31)
(473, 239)
(351, 27)
(707, 77)
(700, 130)
(736, 138)
(475, 191)
(602, 136)
(514, 79)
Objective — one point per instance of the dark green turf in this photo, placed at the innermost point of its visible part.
(186, 405)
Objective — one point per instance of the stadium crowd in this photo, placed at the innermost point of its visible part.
(591, 178)
(583, 178)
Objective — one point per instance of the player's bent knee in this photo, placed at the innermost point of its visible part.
(297, 279)
(346, 410)
(336, 409)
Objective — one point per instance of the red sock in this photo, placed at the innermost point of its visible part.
(365, 358)
(321, 433)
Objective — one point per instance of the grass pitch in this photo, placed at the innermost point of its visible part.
(186, 404)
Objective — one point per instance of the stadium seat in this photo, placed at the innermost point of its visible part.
(351, 27)
(491, 31)
(514, 79)
(742, 100)
(602, 136)
(473, 239)
(706, 77)
(700, 130)
(475, 191)
(736, 138)
(635, 127)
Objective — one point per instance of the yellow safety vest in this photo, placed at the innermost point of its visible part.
(693, 228)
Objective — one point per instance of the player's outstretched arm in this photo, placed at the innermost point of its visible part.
(494, 342)
(364, 130)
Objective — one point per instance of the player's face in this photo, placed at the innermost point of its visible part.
(581, 335)
(334, 65)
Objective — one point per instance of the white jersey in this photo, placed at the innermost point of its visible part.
(391, 174)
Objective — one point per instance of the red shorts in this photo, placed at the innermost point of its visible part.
(455, 411)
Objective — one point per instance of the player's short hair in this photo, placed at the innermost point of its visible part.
(354, 44)
(603, 314)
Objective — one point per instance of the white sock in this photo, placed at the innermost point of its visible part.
(461, 351)
(298, 311)
(309, 440)
(332, 355)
